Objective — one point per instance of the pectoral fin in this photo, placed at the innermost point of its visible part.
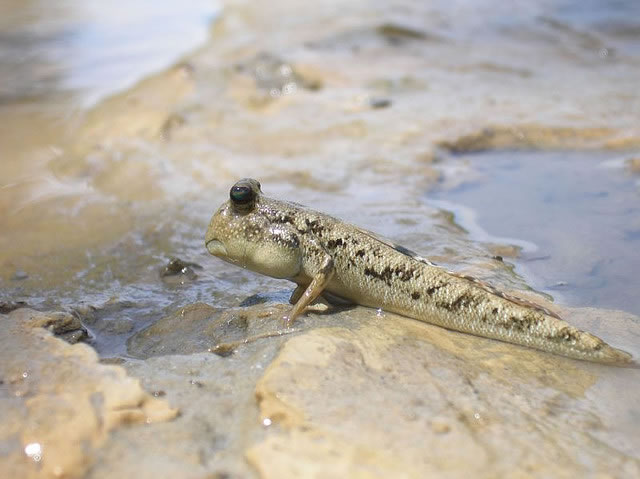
(303, 297)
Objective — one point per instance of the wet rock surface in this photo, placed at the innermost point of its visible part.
(528, 137)
(634, 165)
(8, 306)
(437, 403)
(59, 404)
(178, 271)
(351, 108)
(64, 325)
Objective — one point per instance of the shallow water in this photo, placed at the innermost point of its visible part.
(575, 217)
(57, 61)
(87, 50)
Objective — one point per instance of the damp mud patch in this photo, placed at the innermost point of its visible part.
(573, 219)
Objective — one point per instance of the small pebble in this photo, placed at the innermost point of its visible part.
(439, 426)
(180, 269)
(379, 102)
(19, 275)
(7, 306)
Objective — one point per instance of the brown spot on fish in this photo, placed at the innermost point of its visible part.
(460, 302)
(457, 304)
(315, 227)
(281, 218)
(384, 275)
(436, 287)
(331, 244)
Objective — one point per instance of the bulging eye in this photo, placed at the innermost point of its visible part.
(244, 194)
(241, 195)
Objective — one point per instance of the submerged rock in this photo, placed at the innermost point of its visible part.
(275, 77)
(183, 332)
(61, 324)
(199, 328)
(179, 270)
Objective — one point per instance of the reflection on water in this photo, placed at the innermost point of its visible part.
(580, 209)
(91, 49)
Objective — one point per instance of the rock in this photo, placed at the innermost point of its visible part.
(64, 325)
(19, 275)
(179, 271)
(439, 404)
(199, 327)
(110, 318)
(396, 34)
(183, 332)
(527, 137)
(634, 165)
(218, 417)
(8, 306)
(379, 102)
(58, 403)
(501, 251)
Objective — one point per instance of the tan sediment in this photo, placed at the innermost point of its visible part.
(633, 164)
(439, 403)
(531, 136)
(59, 402)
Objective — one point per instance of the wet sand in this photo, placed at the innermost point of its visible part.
(351, 108)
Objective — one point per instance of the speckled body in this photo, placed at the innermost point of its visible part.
(286, 240)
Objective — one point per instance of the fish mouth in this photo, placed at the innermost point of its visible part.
(216, 248)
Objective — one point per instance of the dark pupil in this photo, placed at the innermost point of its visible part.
(240, 194)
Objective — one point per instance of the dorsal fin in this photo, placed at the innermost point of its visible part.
(397, 247)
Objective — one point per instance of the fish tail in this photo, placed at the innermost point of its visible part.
(560, 337)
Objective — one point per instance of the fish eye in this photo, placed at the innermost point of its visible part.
(244, 194)
(241, 194)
